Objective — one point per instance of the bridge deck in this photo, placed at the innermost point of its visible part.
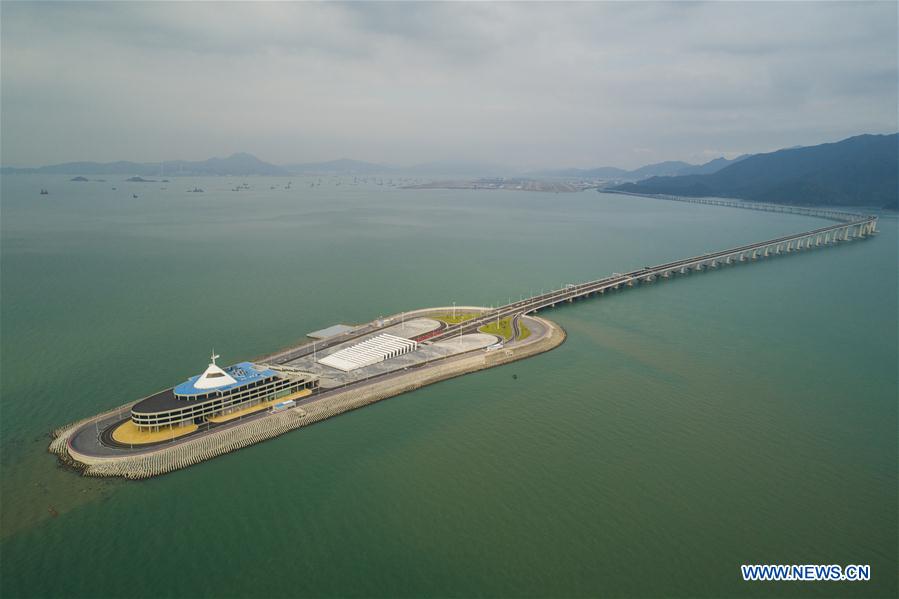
(849, 225)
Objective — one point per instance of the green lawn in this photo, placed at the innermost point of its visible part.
(504, 328)
(524, 331)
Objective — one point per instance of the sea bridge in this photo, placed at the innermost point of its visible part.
(816, 211)
(84, 445)
(849, 226)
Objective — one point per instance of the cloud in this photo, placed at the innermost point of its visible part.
(525, 84)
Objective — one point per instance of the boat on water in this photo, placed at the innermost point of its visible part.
(44, 192)
(134, 195)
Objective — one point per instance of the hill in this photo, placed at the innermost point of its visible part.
(240, 164)
(667, 168)
(858, 171)
(712, 166)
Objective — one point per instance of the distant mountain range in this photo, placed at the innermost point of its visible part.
(243, 164)
(668, 168)
(858, 171)
(237, 164)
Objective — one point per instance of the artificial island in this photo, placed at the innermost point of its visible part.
(342, 368)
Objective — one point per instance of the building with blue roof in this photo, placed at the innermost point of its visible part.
(220, 379)
(217, 391)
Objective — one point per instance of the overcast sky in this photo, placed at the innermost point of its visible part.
(524, 85)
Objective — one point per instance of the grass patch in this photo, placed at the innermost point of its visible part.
(448, 318)
(524, 332)
(503, 328)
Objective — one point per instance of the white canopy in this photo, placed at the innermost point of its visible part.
(214, 377)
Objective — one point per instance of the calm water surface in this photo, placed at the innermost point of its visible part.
(685, 428)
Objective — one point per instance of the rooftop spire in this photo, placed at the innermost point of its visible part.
(214, 376)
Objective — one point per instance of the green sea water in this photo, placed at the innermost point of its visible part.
(684, 428)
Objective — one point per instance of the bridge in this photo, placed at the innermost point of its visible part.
(819, 212)
(849, 226)
(97, 453)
